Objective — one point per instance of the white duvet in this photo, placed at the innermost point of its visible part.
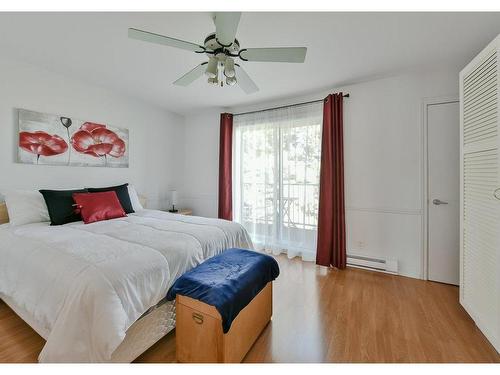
(85, 285)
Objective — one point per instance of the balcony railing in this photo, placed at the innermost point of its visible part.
(295, 206)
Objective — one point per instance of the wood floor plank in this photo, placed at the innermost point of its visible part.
(326, 315)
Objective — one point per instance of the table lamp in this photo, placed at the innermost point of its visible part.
(173, 199)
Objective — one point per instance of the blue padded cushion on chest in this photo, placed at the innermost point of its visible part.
(228, 281)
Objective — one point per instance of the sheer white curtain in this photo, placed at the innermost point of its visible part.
(276, 160)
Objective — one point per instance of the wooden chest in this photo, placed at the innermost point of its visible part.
(199, 336)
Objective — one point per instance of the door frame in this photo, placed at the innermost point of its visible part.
(426, 103)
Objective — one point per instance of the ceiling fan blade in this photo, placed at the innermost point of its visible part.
(191, 76)
(283, 54)
(147, 36)
(244, 81)
(226, 24)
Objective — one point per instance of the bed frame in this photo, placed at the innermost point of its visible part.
(4, 216)
(141, 335)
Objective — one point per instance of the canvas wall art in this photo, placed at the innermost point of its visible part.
(47, 139)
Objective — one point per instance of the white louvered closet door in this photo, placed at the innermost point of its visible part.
(480, 178)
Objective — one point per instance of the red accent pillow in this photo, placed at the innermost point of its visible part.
(98, 206)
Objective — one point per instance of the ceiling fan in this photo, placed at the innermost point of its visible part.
(222, 48)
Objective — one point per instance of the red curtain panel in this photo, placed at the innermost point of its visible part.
(331, 248)
(225, 167)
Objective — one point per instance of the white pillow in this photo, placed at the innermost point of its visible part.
(25, 207)
(134, 199)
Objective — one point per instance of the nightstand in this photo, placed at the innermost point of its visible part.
(183, 211)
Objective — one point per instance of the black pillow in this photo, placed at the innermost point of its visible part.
(122, 193)
(60, 205)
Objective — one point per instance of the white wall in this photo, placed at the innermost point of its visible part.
(201, 162)
(383, 150)
(155, 137)
(383, 162)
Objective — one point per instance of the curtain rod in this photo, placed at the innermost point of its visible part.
(285, 106)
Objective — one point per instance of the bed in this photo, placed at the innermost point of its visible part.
(96, 292)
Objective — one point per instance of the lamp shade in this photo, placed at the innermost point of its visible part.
(211, 70)
(173, 197)
(229, 68)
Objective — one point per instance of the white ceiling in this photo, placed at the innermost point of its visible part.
(342, 48)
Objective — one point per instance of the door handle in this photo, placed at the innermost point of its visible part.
(496, 193)
(437, 202)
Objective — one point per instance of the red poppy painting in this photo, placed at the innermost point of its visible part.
(42, 144)
(98, 141)
(58, 140)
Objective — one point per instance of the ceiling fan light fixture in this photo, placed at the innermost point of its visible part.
(211, 70)
(229, 68)
(221, 56)
(230, 81)
(213, 81)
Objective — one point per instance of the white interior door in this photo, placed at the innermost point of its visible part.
(443, 134)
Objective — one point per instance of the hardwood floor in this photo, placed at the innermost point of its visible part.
(324, 315)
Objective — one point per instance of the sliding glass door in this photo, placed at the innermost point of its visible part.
(276, 159)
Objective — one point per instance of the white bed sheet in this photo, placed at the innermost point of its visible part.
(87, 284)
